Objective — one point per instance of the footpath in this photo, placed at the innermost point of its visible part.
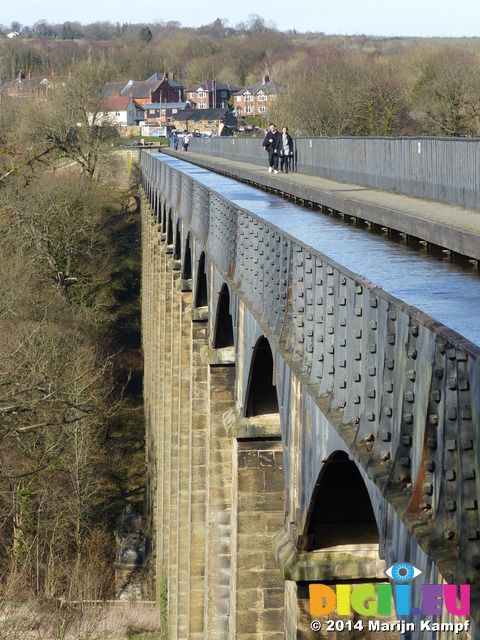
(451, 228)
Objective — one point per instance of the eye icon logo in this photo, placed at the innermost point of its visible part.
(402, 572)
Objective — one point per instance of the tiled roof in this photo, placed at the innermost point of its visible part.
(200, 114)
(207, 85)
(269, 88)
(115, 104)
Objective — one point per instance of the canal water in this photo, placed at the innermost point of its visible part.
(447, 291)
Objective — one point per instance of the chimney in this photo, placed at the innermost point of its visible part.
(53, 72)
(265, 79)
(150, 94)
(29, 75)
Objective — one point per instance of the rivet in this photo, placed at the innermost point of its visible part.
(357, 377)
(405, 461)
(450, 505)
(427, 488)
(385, 436)
(406, 441)
(470, 504)
(451, 445)
(452, 413)
(450, 475)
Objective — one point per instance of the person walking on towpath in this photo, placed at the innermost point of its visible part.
(272, 143)
(286, 151)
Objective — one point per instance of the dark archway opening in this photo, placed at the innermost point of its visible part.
(187, 261)
(170, 230)
(262, 393)
(201, 299)
(163, 216)
(224, 332)
(177, 253)
(342, 512)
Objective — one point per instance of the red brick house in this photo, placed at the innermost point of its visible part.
(158, 88)
(256, 98)
(210, 94)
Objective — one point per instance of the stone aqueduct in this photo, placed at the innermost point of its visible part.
(302, 425)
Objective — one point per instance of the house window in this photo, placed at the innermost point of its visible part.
(239, 98)
(262, 97)
(223, 94)
(273, 97)
(200, 94)
(202, 105)
(262, 109)
(249, 97)
(249, 108)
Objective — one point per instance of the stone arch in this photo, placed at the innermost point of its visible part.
(261, 396)
(187, 260)
(201, 293)
(224, 323)
(341, 511)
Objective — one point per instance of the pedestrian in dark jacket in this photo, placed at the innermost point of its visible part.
(272, 143)
(286, 151)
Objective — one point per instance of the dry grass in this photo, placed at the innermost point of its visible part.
(110, 621)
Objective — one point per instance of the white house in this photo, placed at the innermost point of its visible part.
(122, 112)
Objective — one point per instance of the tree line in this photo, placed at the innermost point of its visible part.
(71, 414)
(350, 85)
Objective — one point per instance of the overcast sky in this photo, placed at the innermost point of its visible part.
(349, 17)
